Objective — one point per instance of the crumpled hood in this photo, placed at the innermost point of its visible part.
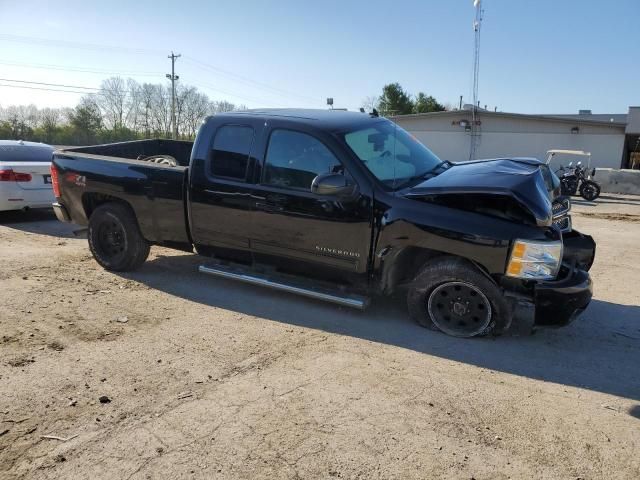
(527, 180)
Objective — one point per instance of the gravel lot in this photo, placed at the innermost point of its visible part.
(205, 378)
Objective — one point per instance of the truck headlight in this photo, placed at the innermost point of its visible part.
(531, 259)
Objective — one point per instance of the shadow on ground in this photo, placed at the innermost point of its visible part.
(600, 351)
(41, 221)
(635, 411)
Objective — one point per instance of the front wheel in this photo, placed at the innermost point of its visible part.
(115, 239)
(451, 295)
(569, 186)
(589, 190)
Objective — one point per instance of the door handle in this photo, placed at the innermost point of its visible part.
(269, 207)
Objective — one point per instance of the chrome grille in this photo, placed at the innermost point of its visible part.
(560, 206)
(563, 223)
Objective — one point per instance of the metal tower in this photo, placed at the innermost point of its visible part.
(475, 127)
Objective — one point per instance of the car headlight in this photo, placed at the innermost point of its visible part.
(531, 259)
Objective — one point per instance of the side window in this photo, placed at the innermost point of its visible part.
(294, 159)
(230, 153)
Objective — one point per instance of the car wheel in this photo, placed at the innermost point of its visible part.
(115, 239)
(453, 296)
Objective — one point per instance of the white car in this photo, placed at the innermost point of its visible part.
(25, 176)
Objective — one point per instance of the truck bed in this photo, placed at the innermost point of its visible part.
(178, 149)
(155, 192)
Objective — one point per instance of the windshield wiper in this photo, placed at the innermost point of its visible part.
(438, 166)
(431, 171)
(412, 181)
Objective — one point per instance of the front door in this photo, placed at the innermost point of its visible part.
(300, 230)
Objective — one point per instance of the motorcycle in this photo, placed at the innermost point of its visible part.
(576, 179)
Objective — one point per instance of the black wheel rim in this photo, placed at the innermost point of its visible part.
(459, 309)
(111, 238)
(589, 192)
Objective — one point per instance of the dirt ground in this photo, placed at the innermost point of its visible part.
(206, 378)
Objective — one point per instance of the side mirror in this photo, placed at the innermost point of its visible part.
(333, 184)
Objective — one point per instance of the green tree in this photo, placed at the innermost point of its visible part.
(394, 100)
(86, 121)
(426, 104)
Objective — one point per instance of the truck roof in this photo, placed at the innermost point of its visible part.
(328, 119)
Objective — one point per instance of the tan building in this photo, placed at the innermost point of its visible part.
(611, 139)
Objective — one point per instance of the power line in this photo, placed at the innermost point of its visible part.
(226, 92)
(97, 92)
(92, 90)
(115, 48)
(247, 80)
(68, 44)
(48, 84)
(42, 88)
(46, 66)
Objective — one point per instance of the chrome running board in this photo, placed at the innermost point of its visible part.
(327, 295)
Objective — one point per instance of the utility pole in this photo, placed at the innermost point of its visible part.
(173, 77)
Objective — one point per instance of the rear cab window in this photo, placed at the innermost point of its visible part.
(231, 151)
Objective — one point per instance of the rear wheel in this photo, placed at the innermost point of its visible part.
(115, 239)
(451, 295)
(589, 190)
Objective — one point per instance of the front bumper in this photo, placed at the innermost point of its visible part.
(559, 302)
(556, 302)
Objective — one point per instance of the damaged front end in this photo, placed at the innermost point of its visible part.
(524, 191)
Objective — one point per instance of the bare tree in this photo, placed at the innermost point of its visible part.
(183, 97)
(146, 97)
(133, 105)
(196, 108)
(161, 110)
(370, 102)
(21, 119)
(222, 106)
(111, 100)
(50, 118)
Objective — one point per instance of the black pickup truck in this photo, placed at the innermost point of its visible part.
(338, 206)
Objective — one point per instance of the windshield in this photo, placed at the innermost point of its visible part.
(394, 156)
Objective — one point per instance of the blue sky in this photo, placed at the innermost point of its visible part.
(547, 56)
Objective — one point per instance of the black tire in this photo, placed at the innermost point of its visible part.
(115, 239)
(483, 309)
(589, 190)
